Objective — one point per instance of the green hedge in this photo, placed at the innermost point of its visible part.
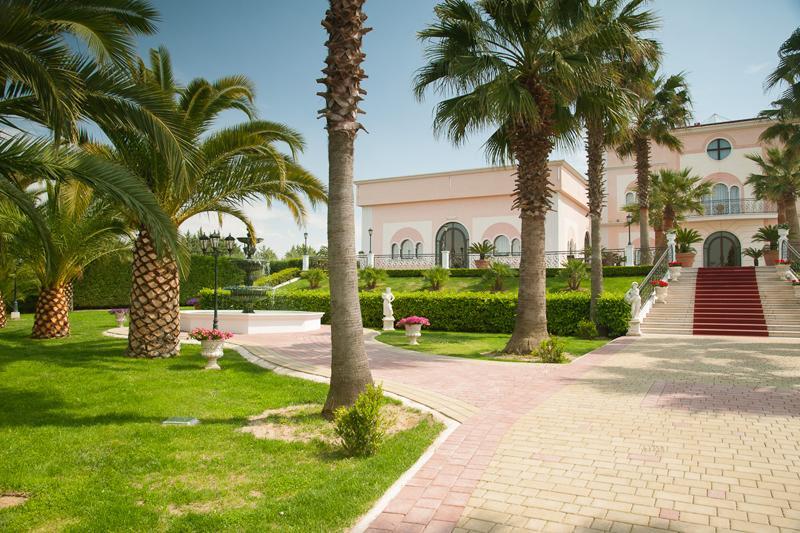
(278, 277)
(608, 272)
(107, 282)
(484, 312)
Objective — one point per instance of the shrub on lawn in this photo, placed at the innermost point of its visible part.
(370, 277)
(314, 276)
(362, 428)
(496, 275)
(435, 277)
(550, 350)
(586, 329)
(282, 276)
(573, 273)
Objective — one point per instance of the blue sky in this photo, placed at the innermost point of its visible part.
(725, 47)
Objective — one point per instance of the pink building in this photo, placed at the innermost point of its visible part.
(415, 218)
(408, 221)
(715, 152)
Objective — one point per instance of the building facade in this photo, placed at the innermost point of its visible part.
(717, 153)
(408, 221)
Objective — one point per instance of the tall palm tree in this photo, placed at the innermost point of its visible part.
(350, 374)
(786, 109)
(516, 67)
(661, 104)
(676, 193)
(779, 181)
(47, 82)
(218, 171)
(82, 226)
(603, 111)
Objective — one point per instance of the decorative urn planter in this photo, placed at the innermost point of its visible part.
(482, 263)
(661, 287)
(413, 326)
(119, 316)
(675, 271)
(212, 342)
(685, 258)
(781, 269)
(212, 350)
(770, 257)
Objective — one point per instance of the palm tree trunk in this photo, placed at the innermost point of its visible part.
(643, 193)
(69, 289)
(3, 316)
(51, 316)
(350, 374)
(594, 156)
(155, 308)
(791, 219)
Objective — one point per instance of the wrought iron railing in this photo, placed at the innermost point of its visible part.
(654, 254)
(405, 261)
(793, 256)
(735, 207)
(659, 270)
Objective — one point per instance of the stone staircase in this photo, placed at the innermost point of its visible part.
(730, 301)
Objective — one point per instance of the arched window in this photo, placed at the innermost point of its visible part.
(734, 197)
(418, 249)
(395, 250)
(406, 249)
(719, 199)
(516, 247)
(630, 198)
(501, 245)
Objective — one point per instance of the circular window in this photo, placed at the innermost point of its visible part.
(718, 149)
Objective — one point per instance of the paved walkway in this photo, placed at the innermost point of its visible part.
(678, 433)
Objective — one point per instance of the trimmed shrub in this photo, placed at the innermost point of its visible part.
(314, 276)
(283, 264)
(608, 271)
(550, 350)
(362, 427)
(435, 277)
(586, 329)
(277, 278)
(370, 277)
(496, 275)
(574, 272)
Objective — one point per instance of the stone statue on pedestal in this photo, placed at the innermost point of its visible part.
(388, 311)
(633, 298)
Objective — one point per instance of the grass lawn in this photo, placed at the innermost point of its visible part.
(475, 345)
(617, 285)
(81, 434)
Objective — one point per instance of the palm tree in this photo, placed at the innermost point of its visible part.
(218, 171)
(786, 109)
(516, 66)
(604, 113)
(779, 181)
(677, 192)
(46, 82)
(82, 226)
(661, 104)
(350, 374)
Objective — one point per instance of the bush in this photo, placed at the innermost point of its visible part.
(362, 428)
(282, 276)
(550, 350)
(586, 329)
(435, 277)
(574, 272)
(314, 276)
(370, 277)
(283, 264)
(496, 275)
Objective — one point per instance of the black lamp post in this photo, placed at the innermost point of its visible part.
(370, 239)
(210, 244)
(15, 305)
(629, 218)
(305, 243)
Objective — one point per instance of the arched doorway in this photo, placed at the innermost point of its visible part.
(722, 249)
(454, 238)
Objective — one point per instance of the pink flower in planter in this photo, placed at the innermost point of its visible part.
(413, 320)
(205, 334)
(782, 262)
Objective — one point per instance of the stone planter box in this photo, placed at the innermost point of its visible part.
(770, 256)
(685, 258)
(257, 322)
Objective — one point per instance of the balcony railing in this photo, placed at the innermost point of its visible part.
(744, 206)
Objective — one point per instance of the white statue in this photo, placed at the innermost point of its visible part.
(388, 311)
(633, 298)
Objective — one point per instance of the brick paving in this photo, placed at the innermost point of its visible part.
(686, 434)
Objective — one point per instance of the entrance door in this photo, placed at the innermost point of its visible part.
(453, 237)
(722, 249)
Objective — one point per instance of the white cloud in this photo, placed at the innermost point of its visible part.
(755, 69)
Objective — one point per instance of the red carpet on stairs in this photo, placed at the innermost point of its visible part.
(727, 302)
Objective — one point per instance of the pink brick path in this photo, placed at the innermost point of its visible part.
(435, 498)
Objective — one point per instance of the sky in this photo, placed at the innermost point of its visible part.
(725, 48)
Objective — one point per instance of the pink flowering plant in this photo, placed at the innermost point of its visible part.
(675, 263)
(413, 320)
(782, 262)
(205, 334)
(659, 283)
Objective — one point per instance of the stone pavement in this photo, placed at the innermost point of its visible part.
(676, 433)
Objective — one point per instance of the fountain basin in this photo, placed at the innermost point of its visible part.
(256, 322)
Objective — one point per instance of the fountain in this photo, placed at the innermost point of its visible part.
(248, 320)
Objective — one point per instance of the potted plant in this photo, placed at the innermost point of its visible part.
(119, 314)
(768, 234)
(675, 270)
(482, 249)
(211, 343)
(413, 326)
(661, 290)
(684, 239)
(754, 253)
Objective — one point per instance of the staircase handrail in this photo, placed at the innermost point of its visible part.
(793, 256)
(659, 271)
